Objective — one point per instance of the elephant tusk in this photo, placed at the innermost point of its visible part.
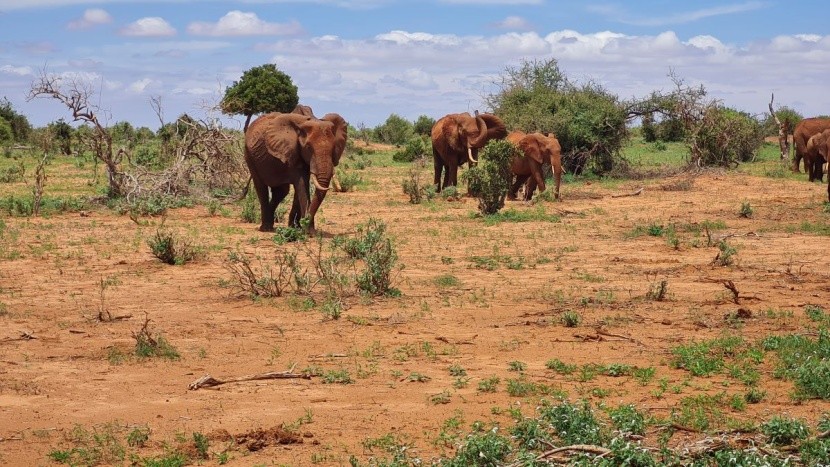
(470, 156)
(317, 184)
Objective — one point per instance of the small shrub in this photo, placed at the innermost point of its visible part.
(171, 249)
(627, 419)
(148, 346)
(482, 449)
(574, 424)
(13, 173)
(516, 365)
(489, 384)
(784, 431)
(725, 255)
(490, 180)
(267, 280)
(521, 387)
(348, 180)
(285, 234)
(560, 367)
(414, 149)
(250, 207)
(571, 319)
(746, 210)
(337, 377)
(657, 291)
(379, 256)
(754, 395)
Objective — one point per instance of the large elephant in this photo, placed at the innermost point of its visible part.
(818, 146)
(802, 133)
(537, 149)
(293, 149)
(456, 138)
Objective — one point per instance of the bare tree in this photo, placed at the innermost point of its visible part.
(783, 131)
(77, 95)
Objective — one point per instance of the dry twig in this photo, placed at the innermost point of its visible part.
(208, 381)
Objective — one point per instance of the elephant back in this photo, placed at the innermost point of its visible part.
(274, 135)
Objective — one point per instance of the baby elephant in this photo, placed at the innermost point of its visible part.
(537, 150)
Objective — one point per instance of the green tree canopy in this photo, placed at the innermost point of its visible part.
(62, 132)
(423, 125)
(6, 133)
(19, 124)
(588, 120)
(395, 130)
(262, 89)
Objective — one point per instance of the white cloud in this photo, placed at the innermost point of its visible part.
(513, 23)
(238, 23)
(622, 16)
(16, 70)
(92, 17)
(148, 27)
(142, 85)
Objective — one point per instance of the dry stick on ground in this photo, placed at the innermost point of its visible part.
(551, 455)
(603, 332)
(634, 193)
(208, 381)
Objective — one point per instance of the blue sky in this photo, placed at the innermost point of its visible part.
(366, 59)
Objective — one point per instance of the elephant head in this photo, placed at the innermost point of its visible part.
(456, 139)
(537, 149)
(303, 110)
(283, 149)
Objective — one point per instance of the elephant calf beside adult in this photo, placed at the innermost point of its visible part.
(456, 139)
(819, 147)
(537, 149)
(283, 150)
(803, 131)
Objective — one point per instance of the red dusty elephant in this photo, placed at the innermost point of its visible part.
(818, 146)
(293, 149)
(456, 138)
(801, 135)
(537, 149)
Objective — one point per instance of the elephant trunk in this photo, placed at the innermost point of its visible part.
(481, 138)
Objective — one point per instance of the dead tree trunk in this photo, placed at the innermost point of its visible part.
(783, 132)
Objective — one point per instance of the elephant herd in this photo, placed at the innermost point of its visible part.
(811, 138)
(297, 149)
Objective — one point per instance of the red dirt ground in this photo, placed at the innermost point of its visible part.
(58, 367)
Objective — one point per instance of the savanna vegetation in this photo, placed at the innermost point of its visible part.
(671, 310)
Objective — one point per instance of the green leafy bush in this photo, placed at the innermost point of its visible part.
(414, 149)
(490, 179)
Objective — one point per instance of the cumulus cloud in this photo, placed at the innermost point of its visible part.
(148, 27)
(515, 23)
(142, 85)
(92, 17)
(239, 23)
(16, 70)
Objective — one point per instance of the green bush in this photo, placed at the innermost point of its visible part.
(490, 179)
(395, 130)
(724, 137)
(379, 256)
(414, 149)
(170, 249)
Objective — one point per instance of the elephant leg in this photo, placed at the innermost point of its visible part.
(514, 188)
(265, 211)
(451, 177)
(530, 187)
(299, 209)
(438, 167)
(278, 193)
(538, 178)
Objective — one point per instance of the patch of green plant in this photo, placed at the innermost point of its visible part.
(340, 376)
(803, 360)
(489, 384)
(784, 431)
(725, 256)
(415, 148)
(702, 412)
(627, 419)
(818, 228)
(286, 234)
(573, 423)
(172, 249)
(348, 180)
(98, 446)
(447, 280)
(560, 367)
(705, 358)
(746, 210)
(815, 451)
(491, 178)
(332, 308)
(816, 313)
(516, 365)
(754, 395)
(202, 444)
(250, 208)
(570, 319)
(138, 437)
(374, 248)
(536, 214)
(521, 387)
(158, 346)
(481, 449)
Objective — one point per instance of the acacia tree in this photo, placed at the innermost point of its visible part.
(77, 95)
(261, 89)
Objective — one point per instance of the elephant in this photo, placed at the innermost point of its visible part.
(537, 149)
(293, 149)
(303, 110)
(456, 138)
(805, 129)
(818, 146)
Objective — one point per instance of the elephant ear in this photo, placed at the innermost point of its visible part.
(495, 126)
(340, 135)
(280, 133)
(452, 127)
(531, 148)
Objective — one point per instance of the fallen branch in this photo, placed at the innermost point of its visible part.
(634, 193)
(602, 332)
(208, 381)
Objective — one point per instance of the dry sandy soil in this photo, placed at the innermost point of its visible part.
(61, 367)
